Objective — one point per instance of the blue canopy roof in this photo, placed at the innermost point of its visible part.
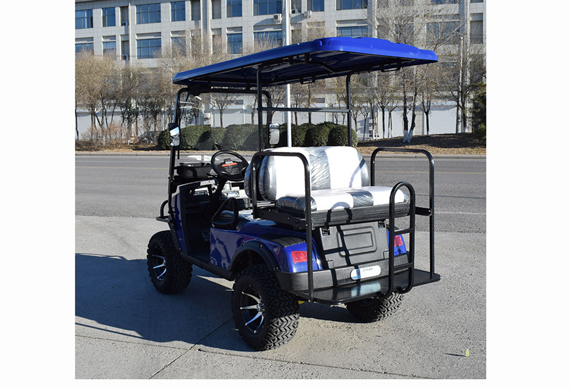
(307, 61)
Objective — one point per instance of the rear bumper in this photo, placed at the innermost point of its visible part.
(336, 285)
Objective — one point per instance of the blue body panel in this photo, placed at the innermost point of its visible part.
(225, 243)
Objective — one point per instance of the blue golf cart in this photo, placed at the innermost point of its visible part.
(293, 224)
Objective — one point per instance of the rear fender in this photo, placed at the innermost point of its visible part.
(253, 252)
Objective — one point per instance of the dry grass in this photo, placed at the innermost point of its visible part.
(465, 143)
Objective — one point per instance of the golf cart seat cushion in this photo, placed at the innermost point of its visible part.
(331, 199)
(339, 180)
(331, 168)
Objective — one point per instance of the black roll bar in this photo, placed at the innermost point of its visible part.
(419, 210)
(255, 163)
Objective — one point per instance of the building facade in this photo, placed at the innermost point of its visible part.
(139, 31)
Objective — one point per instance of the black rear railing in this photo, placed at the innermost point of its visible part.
(429, 211)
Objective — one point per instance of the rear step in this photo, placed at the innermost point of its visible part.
(370, 288)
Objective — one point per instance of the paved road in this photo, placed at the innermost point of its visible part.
(125, 329)
(135, 186)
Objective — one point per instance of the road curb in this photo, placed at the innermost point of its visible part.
(250, 154)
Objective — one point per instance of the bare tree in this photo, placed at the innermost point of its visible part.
(426, 25)
(429, 89)
(127, 98)
(386, 99)
(338, 89)
(154, 98)
(97, 84)
(221, 101)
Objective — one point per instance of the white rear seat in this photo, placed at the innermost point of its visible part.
(339, 180)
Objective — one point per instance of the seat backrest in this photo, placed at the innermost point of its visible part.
(332, 167)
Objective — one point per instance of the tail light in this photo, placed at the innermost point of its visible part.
(398, 241)
(299, 256)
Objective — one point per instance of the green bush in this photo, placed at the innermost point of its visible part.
(313, 135)
(164, 140)
(338, 136)
(283, 135)
(251, 143)
(241, 137)
(244, 136)
(209, 137)
(298, 134)
(317, 135)
(190, 136)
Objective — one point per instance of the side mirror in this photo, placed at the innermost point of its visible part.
(174, 134)
(273, 134)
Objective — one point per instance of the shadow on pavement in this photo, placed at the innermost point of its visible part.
(118, 296)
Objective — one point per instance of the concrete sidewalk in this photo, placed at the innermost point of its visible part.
(126, 329)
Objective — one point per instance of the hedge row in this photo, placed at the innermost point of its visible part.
(244, 136)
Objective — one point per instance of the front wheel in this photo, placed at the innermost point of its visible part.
(266, 316)
(375, 309)
(168, 272)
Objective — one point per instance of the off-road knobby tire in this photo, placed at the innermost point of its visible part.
(375, 309)
(280, 309)
(178, 272)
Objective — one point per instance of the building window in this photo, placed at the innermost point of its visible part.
(234, 9)
(476, 31)
(353, 32)
(443, 32)
(84, 19)
(148, 48)
(217, 40)
(351, 4)
(273, 38)
(148, 13)
(445, 1)
(110, 48)
(81, 47)
(267, 7)
(316, 5)
(216, 9)
(195, 4)
(235, 43)
(178, 11)
(179, 45)
(109, 17)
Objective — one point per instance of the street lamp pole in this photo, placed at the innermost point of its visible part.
(286, 32)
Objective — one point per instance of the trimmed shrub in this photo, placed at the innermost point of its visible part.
(298, 134)
(164, 140)
(241, 137)
(190, 136)
(338, 136)
(252, 141)
(317, 135)
(283, 135)
(209, 137)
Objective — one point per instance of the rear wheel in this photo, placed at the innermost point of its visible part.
(266, 316)
(375, 309)
(168, 272)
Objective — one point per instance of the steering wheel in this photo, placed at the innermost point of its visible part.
(229, 165)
